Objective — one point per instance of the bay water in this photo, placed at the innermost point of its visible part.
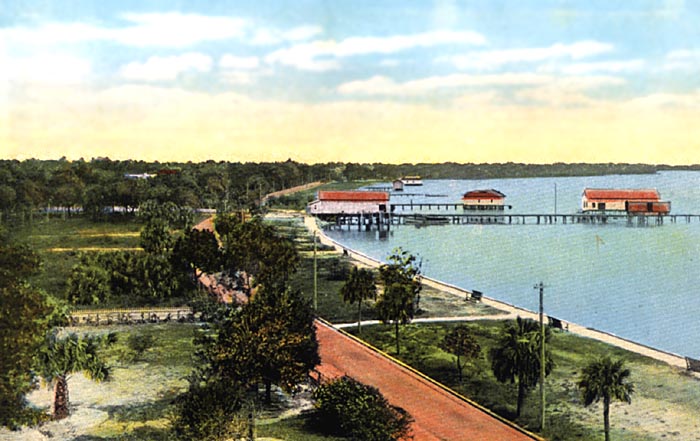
(640, 283)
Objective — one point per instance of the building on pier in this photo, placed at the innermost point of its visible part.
(492, 200)
(412, 180)
(631, 201)
(397, 185)
(349, 203)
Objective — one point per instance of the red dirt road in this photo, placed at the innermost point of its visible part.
(438, 414)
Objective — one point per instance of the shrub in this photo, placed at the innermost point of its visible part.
(347, 407)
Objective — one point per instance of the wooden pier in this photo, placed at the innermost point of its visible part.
(385, 220)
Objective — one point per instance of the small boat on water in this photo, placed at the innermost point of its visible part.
(412, 180)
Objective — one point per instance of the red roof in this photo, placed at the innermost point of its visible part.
(644, 194)
(354, 196)
(484, 194)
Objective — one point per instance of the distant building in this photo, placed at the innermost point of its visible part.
(397, 185)
(484, 200)
(138, 175)
(634, 201)
(349, 202)
(412, 180)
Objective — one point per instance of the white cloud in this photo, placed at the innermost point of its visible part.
(619, 66)
(568, 91)
(380, 85)
(166, 68)
(486, 60)
(229, 61)
(174, 29)
(47, 68)
(682, 59)
(324, 55)
(170, 29)
(269, 36)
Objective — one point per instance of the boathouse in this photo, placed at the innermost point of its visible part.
(397, 185)
(349, 202)
(412, 180)
(633, 201)
(484, 200)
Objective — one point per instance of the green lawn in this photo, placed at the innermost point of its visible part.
(666, 399)
(45, 236)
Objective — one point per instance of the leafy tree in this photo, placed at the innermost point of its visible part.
(24, 319)
(359, 286)
(401, 280)
(403, 268)
(516, 357)
(88, 283)
(272, 340)
(197, 251)
(461, 343)
(254, 249)
(61, 357)
(210, 410)
(607, 379)
(346, 407)
(155, 237)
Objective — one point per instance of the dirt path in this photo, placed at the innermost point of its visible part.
(438, 413)
(287, 191)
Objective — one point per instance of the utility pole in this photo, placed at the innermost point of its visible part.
(540, 287)
(315, 277)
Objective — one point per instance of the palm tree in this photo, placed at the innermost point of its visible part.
(516, 358)
(607, 379)
(359, 286)
(64, 356)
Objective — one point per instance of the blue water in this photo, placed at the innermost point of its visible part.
(641, 283)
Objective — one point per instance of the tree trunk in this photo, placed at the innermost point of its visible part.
(521, 398)
(606, 417)
(398, 348)
(459, 369)
(359, 317)
(268, 392)
(60, 398)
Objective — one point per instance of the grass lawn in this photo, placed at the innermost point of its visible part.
(664, 405)
(70, 235)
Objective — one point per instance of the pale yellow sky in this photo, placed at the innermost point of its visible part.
(166, 124)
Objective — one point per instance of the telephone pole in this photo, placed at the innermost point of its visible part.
(315, 278)
(540, 287)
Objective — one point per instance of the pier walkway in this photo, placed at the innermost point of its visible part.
(386, 220)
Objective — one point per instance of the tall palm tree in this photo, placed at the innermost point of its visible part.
(64, 356)
(607, 379)
(359, 286)
(516, 358)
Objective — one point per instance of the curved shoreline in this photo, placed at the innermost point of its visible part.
(606, 337)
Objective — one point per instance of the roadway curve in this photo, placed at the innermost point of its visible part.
(439, 414)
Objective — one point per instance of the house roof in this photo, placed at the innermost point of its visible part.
(484, 194)
(642, 194)
(354, 196)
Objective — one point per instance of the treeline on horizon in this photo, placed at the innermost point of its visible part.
(99, 184)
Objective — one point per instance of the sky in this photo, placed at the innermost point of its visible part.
(531, 81)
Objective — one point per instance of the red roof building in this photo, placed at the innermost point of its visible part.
(643, 200)
(349, 202)
(353, 196)
(484, 200)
